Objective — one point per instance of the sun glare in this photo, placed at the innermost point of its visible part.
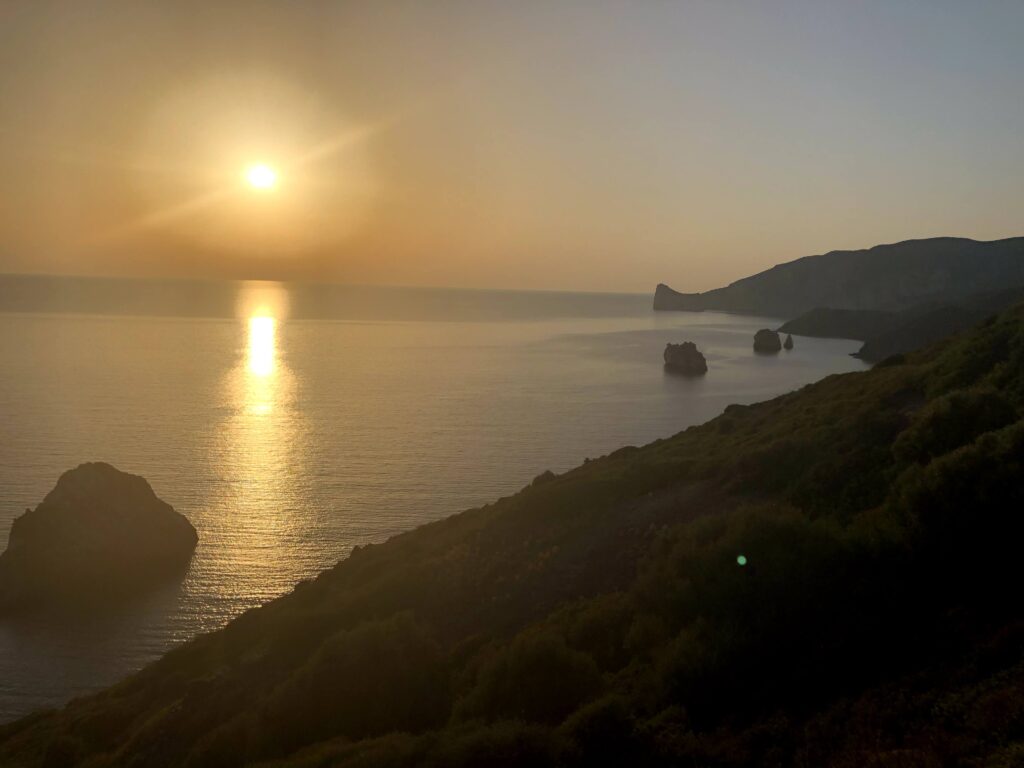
(261, 176)
(262, 345)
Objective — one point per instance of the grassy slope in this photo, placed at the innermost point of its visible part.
(601, 616)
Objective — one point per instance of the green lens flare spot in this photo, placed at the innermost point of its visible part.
(741, 560)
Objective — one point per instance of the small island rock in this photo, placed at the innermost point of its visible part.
(767, 340)
(100, 533)
(685, 358)
(788, 344)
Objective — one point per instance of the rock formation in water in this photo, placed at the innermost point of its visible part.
(686, 359)
(767, 340)
(788, 344)
(99, 533)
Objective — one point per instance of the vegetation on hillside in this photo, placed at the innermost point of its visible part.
(893, 333)
(825, 579)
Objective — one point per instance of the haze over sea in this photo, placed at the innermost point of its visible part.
(290, 423)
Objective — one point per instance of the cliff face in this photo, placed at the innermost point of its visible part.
(99, 533)
(886, 277)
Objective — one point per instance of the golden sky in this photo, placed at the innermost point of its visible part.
(591, 145)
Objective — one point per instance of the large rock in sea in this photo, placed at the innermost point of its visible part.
(686, 359)
(99, 534)
(767, 340)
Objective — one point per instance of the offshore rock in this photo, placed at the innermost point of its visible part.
(686, 359)
(100, 533)
(767, 340)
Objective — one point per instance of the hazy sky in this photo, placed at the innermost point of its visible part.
(587, 145)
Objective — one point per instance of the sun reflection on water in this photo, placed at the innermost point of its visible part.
(261, 450)
(263, 387)
(262, 345)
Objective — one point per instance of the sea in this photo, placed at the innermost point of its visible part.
(292, 422)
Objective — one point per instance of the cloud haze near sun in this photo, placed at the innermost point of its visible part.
(578, 145)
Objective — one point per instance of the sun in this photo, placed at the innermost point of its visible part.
(261, 176)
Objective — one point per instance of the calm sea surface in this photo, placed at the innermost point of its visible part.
(300, 423)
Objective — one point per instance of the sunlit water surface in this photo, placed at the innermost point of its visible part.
(288, 441)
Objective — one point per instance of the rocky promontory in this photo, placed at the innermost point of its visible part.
(891, 278)
(99, 533)
(767, 340)
(686, 359)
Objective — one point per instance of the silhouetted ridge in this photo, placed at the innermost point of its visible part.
(886, 277)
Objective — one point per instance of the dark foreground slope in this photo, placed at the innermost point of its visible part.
(893, 277)
(829, 578)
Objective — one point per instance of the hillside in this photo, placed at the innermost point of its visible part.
(828, 578)
(891, 333)
(859, 324)
(892, 277)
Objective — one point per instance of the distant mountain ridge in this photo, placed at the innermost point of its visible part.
(890, 278)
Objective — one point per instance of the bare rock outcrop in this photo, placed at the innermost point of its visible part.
(767, 341)
(100, 533)
(686, 359)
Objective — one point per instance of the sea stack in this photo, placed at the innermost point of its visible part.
(100, 533)
(686, 359)
(767, 340)
(788, 344)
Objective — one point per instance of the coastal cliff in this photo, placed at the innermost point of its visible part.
(886, 277)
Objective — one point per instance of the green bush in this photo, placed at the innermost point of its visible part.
(757, 603)
(536, 678)
(349, 688)
(500, 745)
(965, 510)
(951, 421)
(602, 733)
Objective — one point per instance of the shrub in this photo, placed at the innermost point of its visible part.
(348, 688)
(536, 678)
(602, 733)
(951, 421)
(965, 510)
(500, 745)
